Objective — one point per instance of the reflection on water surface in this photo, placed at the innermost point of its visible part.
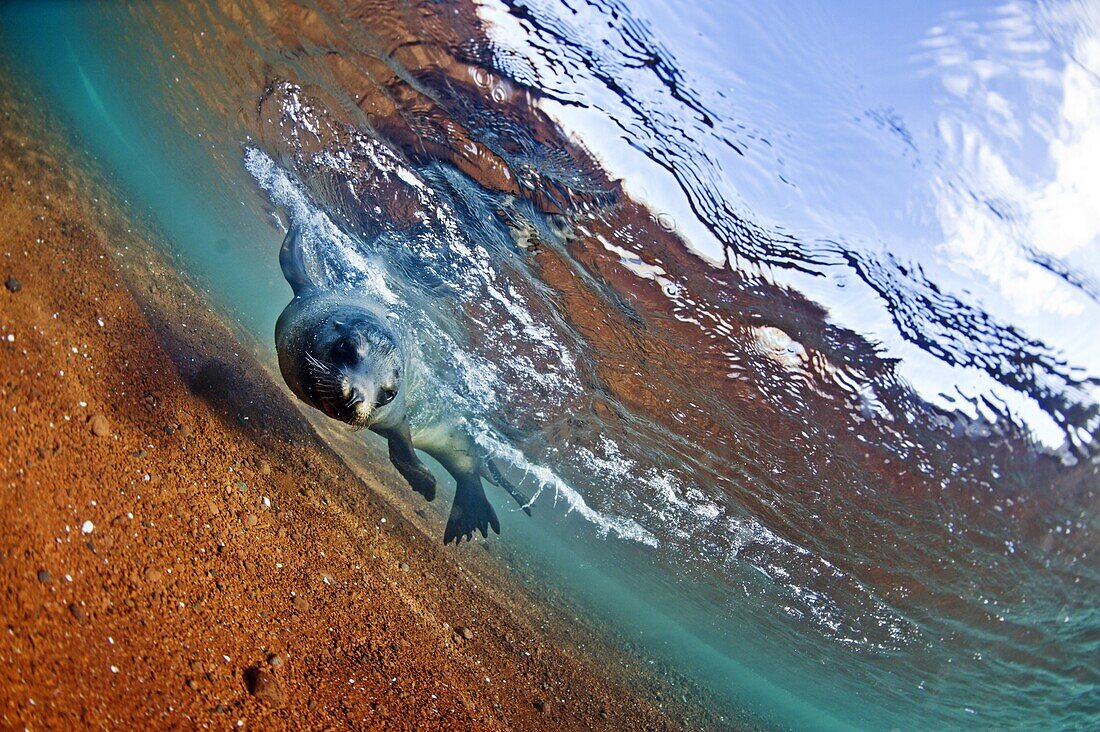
(789, 306)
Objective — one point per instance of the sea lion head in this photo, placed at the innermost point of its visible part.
(351, 370)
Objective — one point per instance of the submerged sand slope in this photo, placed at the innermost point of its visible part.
(173, 533)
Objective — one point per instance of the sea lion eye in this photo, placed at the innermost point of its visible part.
(385, 396)
(346, 349)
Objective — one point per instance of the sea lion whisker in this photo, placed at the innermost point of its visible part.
(327, 379)
(318, 366)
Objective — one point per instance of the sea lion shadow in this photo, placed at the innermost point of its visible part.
(240, 402)
(225, 392)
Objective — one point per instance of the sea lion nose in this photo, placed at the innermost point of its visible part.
(361, 409)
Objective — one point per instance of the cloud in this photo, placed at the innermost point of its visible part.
(1019, 183)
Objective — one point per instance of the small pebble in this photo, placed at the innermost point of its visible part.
(274, 660)
(404, 567)
(76, 611)
(13, 284)
(100, 426)
(464, 632)
(263, 685)
(44, 576)
(251, 520)
(87, 527)
(265, 468)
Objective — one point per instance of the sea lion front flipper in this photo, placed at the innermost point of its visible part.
(292, 262)
(407, 463)
(470, 511)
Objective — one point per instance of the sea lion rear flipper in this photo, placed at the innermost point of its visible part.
(292, 261)
(495, 476)
(470, 511)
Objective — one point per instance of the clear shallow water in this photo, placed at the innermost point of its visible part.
(818, 428)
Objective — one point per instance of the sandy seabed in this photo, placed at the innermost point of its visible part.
(179, 548)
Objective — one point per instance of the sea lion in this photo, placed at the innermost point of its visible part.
(339, 354)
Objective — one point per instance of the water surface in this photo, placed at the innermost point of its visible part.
(781, 316)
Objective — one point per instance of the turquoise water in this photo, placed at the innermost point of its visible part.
(810, 530)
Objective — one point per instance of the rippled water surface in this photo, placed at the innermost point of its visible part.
(784, 317)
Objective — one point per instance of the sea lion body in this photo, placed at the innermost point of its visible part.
(340, 353)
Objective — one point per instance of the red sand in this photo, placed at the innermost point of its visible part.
(148, 583)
